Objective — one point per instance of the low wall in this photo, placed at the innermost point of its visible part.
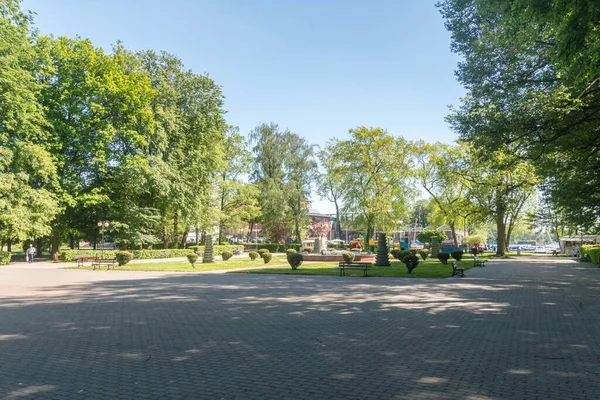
(338, 258)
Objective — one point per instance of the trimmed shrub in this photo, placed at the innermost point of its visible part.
(263, 251)
(443, 257)
(424, 254)
(123, 257)
(295, 246)
(400, 254)
(267, 257)
(253, 255)
(411, 262)
(226, 254)
(457, 254)
(413, 251)
(348, 256)
(290, 251)
(5, 257)
(271, 247)
(593, 250)
(192, 258)
(295, 259)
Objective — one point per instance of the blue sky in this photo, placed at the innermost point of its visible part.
(316, 67)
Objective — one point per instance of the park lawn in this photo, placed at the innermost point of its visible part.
(185, 266)
(432, 268)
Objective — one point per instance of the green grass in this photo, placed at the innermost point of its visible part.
(185, 266)
(432, 268)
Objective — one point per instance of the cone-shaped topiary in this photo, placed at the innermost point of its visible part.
(226, 254)
(382, 260)
(209, 251)
(424, 254)
(267, 257)
(317, 249)
(443, 257)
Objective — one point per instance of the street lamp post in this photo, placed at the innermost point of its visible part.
(102, 225)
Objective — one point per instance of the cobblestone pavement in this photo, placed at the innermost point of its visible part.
(516, 329)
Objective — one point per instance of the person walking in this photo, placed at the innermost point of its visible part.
(30, 253)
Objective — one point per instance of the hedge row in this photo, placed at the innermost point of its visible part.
(279, 248)
(4, 257)
(71, 255)
(593, 250)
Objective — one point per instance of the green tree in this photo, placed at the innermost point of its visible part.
(27, 170)
(438, 171)
(330, 181)
(429, 234)
(374, 165)
(533, 78)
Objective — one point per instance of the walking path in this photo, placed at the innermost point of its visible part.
(516, 329)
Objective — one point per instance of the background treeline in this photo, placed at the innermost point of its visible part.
(139, 140)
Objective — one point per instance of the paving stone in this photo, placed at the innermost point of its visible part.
(515, 329)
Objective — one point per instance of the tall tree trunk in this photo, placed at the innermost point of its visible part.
(38, 246)
(184, 237)
(166, 233)
(9, 245)
(453, 231)
(55, 241)
(251, 224)
(501, 231)
(509, 233)
(175, 226)
(339, 222)
(71, 241)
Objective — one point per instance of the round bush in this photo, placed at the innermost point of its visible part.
(295, 259)
(262, 251)
(123, 257)
(290, 251)
(192, 258)
(348, 256)
(226, 254)
(267, 257)
(253, 255)
(411, 262)
(424, 254)
(443, 257)
(457, 254)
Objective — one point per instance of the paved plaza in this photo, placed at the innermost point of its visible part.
(516, 329)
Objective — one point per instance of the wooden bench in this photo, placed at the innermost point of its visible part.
(81, 260)
(457, 271)
(98, 262)
(364, 266)
(479, 262)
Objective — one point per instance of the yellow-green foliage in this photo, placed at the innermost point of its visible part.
(593, 250)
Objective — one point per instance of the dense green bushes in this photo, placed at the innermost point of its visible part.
(593, 250)
(253, 255)
(424, 254)
(4, 257)
(71, 255)
(226, 254)
(266, 256)
(457, 254)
